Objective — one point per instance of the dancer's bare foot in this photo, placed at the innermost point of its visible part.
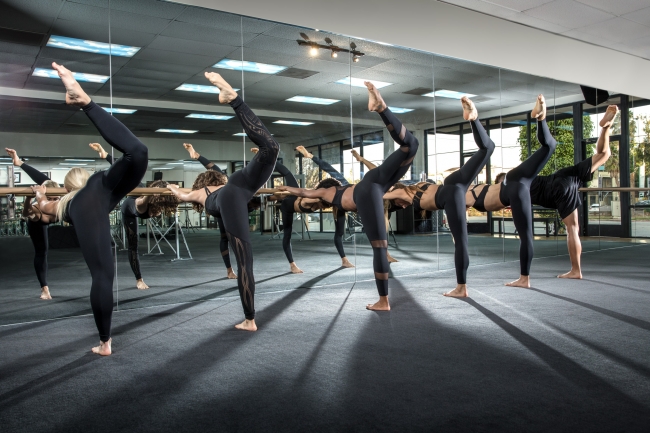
(390, 258)
(539, 111)
(74, 94)
(459, 292)
(226, 92)
(356, 155)
(523, 281)
(295, 269)
(45, 293)
(104, 348)
(190, 149)
(247, 325)
(574, 274)
(99, 149)
(141, 285)
(375, 101)
(381, 305)
(14, 157)
(469, 109)
(303, 152)
(255, 150)
(231, 274)
(608, 118)
(346, 263)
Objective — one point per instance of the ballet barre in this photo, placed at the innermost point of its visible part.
(614, 189)
(22, 191)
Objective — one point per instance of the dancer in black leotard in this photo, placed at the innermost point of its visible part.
(366, 197)
(37, 223)
(231, 200)
(451, 195)
(292, 204)
(514, 191)
(253, 205)
(561, 191)
(133, 208)
(88, 208)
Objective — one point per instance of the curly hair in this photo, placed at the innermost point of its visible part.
(410, 190)
(207, 178)
(162, 204)
(500, 178)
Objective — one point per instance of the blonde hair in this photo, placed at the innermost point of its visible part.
(74, 180)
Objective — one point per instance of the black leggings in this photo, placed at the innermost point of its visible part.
(451, 197)
(38, 231)
(369, 195)
(38, 235)
(131, 226)
(233, 198)
(515, 192)
(89, 210)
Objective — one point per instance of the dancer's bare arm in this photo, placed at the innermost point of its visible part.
(47, 207)
(196, 196)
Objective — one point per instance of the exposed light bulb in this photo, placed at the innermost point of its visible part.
(313, 51)
(334, 54)
(355, 59)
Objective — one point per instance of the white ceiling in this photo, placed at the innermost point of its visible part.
(622, 25)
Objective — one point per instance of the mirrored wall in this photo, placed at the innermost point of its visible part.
(145, 62)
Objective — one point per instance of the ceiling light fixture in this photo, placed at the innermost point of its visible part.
(239, 65)
(399, 110)
(329, 45)
(199, 88)
(293, 122)
(178, 131)
(119, 110)
(451, 94)
(91, 46)
(358, 82)
(312, 100)
(80, 160)
(79, 76)
(208, 116)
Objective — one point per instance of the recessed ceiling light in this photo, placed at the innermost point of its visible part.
(71, 163)
(399, 110)
(199, 88)
(208, 116)
(311, 100)
(452, 94)
(164, 168)
(178, 131)
(238, 65)
(80, 160)
(60, 168)
(240, 134)
(6, 163)
(119, 110)
(174, 163)
(91, 46)
(79, 76)
(292, 122)
(358, 82)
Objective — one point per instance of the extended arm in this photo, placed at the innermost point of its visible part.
(304, 192)
(185, 195)
(36, 175)
(209, 165)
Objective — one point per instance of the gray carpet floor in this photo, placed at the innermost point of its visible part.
(566, 356)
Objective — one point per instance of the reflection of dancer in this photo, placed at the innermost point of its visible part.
(366, 197)
(133, 208)
(37, 222)
(292, 204)
(231, 201)
(561, 191)
(88, 206)
(451, 195)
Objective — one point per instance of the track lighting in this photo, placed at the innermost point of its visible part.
(314, 48)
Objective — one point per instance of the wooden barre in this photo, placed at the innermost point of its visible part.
(612, 189)
(22, 191)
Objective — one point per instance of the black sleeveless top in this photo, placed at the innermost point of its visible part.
(418, 196)
(338, 196)
(304, 209)
(211, 207)
(479, 203)
(129, 209)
